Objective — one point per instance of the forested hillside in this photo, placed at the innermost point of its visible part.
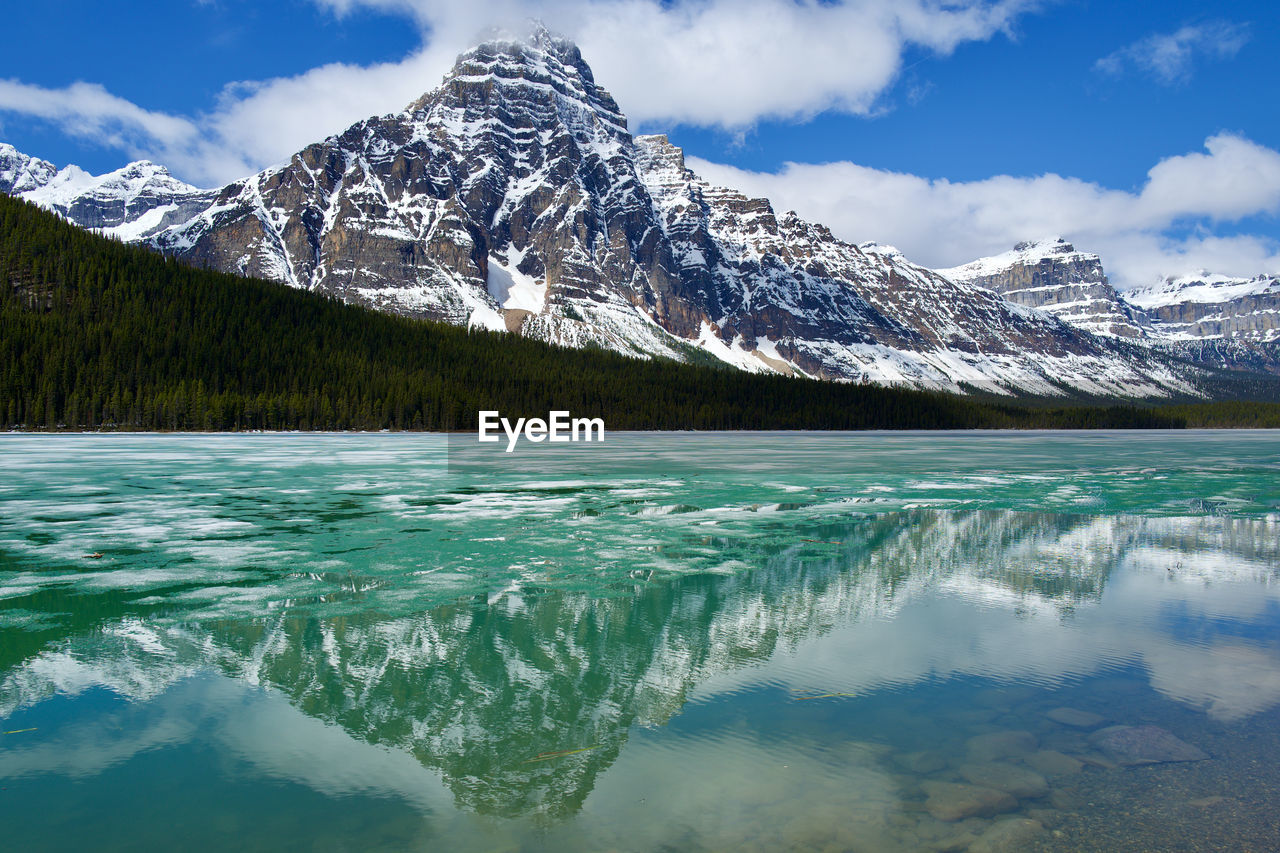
(98, 335)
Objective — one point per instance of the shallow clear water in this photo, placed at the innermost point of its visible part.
(669, 641)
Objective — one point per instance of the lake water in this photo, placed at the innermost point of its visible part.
(683, 642)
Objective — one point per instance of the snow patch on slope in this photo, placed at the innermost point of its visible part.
(512, 288)
(1204, 288)
(1030, 253)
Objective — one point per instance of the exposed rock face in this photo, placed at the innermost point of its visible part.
(21, 174)
(511, 187)
(514, 197)
(1052, 275)
(787, 288)
(1214, 306)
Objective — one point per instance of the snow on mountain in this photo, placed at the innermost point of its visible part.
(1214, 307)
(1214, 320)
(20, 173)
(1053, 276)
(130, 203)
(1204, 287)
(514, 197)
(839, 311)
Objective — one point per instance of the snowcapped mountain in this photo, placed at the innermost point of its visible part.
(514, 197)
(130, 203)
(20, 174)
(1053, 276)
(1214, 306)
(1215, 320)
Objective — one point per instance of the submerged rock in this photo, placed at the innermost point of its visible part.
(1018, 781)
(957, 843)
(1097, 759)
(1076, 718)
(952, 801)
(1049, 818)
(1207, 802)
(1008, 836)
(998, 745)
(1132, 745)
(1050, 762)
(923, 762)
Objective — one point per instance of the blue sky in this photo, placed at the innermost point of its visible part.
(825, 107)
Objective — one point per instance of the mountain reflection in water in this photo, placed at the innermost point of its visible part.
(472, 691)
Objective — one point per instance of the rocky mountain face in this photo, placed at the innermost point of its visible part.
(1213, 320)
(20, 174)
(1214, 306)
(786, 292)
(1052, 275)
(130, 203)
(514, 197)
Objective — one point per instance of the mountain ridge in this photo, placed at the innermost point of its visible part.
(513, 197)
(1217, 320)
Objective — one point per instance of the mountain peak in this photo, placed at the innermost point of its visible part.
(20, 173)
(1047, 246)
(533, 46)
(535, 65)
(534, 34)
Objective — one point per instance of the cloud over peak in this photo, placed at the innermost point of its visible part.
(724, 63)
(943, 223)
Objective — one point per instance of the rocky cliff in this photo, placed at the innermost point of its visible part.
(1214, 306)
(1214, 320)
(1052, 275)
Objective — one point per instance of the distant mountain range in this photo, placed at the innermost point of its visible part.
(1214, 319)
(513, 197)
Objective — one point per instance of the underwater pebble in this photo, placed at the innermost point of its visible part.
(1049, 818)
(1050, 762)
(1206, 802)
(1066, 799)
(926, 761)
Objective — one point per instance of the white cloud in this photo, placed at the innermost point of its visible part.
(725, 63)
(942, 223)
(90, 111)
(253, 124)
(730, 62)
(1169, 57)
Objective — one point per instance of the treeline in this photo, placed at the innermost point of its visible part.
(1227, 413)
(95, 334)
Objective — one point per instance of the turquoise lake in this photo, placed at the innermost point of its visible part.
(665, 642)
